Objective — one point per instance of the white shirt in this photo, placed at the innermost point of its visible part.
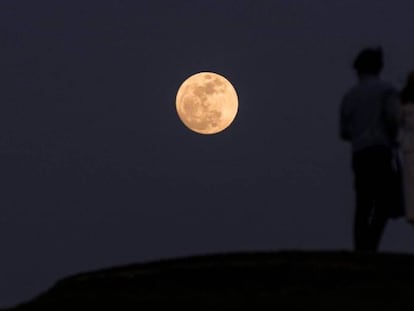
(370, 114)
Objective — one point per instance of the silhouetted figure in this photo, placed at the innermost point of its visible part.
(407, 145)
(369, 120)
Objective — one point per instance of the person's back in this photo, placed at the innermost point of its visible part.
(369, 112)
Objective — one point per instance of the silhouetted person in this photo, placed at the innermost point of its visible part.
(407, 145)
(369, 119)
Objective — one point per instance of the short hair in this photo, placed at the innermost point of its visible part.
(369, 61)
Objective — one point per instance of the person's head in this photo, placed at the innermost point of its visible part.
(407, 94)
(369, 61)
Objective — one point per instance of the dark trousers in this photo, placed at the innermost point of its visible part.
(372, 172)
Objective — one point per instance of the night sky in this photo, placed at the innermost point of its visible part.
(97, 170)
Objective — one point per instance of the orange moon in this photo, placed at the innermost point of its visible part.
(207, 103)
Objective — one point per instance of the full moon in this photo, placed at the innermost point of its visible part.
(207, 103)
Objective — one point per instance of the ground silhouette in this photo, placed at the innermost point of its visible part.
(247, 281)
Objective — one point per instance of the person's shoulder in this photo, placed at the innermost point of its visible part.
(387, 86)
(351, 92)
(354, 88)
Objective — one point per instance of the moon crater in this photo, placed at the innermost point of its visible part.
(207, 103)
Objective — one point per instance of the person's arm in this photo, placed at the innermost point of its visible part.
(393, 112)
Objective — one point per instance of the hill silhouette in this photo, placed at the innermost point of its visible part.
(247, 281)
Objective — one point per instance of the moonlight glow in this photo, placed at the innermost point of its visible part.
(207, 103)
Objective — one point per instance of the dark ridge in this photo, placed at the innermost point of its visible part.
(283, 280)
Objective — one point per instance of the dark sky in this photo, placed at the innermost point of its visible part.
(97, 170)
